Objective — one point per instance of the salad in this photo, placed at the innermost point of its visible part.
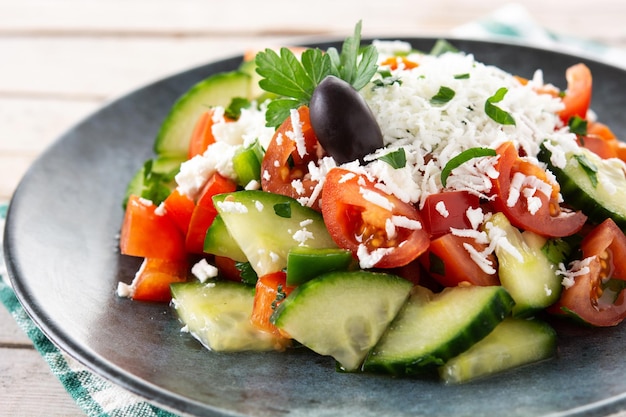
(404, 212)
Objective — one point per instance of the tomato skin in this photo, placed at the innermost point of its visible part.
(606, 246)
(456, 265)
(578, 94)
(354, 222)
(147, 234)
(202, 135)
(456, 203)
(265, 300)
(204, 211)
(282, 162)
(152, 281)
(179, 208)
(542, 222)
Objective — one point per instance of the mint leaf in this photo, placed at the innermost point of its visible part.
(444, 95)
(495, 112)
(397, 159)
(462, 158)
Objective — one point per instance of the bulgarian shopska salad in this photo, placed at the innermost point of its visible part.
(403, 212)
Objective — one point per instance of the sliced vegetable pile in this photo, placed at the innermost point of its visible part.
(403, 212)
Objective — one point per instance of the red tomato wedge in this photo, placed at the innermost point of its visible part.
(450, 263)
(152, 281)
(591, 297)
(548, 219)
(179, 208)
(577, 97)
(202, 134)
(270, 290)
(443, 211)
(204, 212)
(148, 234)
(286, 160)
(364, 219)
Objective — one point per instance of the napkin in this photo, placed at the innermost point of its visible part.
(98, 397)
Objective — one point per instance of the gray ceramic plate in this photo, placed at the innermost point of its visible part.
(61, 251)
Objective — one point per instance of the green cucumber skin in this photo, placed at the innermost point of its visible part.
(217, 314)
(415, 359)
(304, 264)
(579, 192)
(218, 241)
(533, 282)
(264, 236)
(513, 343)
(342, 314)
(217, 90)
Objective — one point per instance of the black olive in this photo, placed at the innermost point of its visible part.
(343, 122)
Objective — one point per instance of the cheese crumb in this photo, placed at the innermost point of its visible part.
(203, 270)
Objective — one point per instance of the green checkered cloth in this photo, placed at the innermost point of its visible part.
(98, 397)
(93, 394)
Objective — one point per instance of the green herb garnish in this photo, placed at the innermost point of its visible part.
(295, 80)
(441, 47)
(556, 250)
(462, 158)
(495, 112)
(246, 272)
(444, 95)
(590, 169)
(233, 111)
(397, 159)
(577, 125)
(155, 186)
(283, 210)
(462, 76)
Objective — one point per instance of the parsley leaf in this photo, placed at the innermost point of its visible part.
(590, 169)
(248, 276)
(233, 111)
(462, 158)
(397, 159)
(577, 125)
(295, 80)
(283, 210)
(444, 95)
(495, 112)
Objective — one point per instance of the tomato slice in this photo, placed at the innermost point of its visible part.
(546, 218)
(150, 234)
(378, 228)
(577, 97)
(202, 134)
(284, 169)
(450, 263)
(269, 292)
(591, 297)
(152, 281)
(204, 213)
(179, 208)
(446, 210)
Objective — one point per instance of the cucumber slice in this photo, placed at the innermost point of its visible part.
(593, 185)
(155, 179)
(526, 273)
(247, 164)
(218, 241)
(342, 314)
(432, 328)
(305, 263)
(266, 226)
(218, 315)
(514, 342)
(217, 90)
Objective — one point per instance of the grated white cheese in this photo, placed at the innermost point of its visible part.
(576, 269)
(442, 209)
(232, 207)
(203, 270)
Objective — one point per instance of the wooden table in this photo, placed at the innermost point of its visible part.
(60, 60)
